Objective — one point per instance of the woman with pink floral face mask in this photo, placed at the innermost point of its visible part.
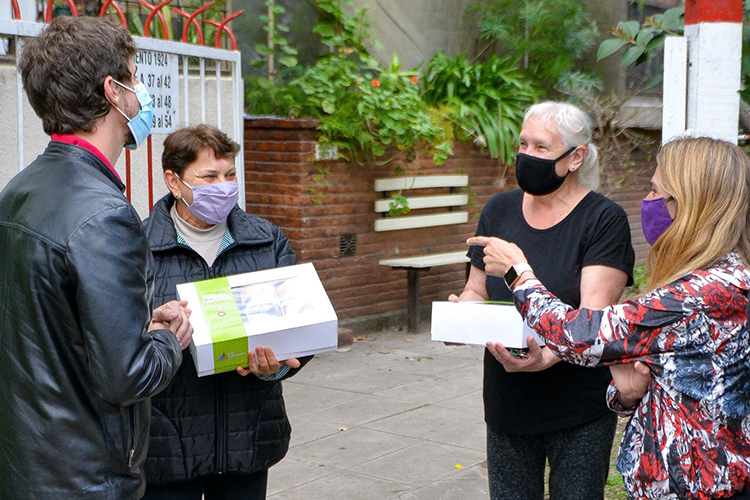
(217, 435)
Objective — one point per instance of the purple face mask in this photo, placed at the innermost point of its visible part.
(655, 218)
(213, 202)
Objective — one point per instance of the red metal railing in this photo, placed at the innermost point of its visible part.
(191, 18)
(222, 26)
(71, 4)
(117, 8)
(194, 22)
(16, 10)
(155, 10)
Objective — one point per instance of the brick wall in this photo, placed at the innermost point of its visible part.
(279, 175)
(626, 181)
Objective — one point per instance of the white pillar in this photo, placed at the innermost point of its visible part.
(713, 29)
(674, 95)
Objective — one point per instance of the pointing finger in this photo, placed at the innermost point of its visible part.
(479, 241)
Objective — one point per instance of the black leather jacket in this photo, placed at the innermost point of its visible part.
(77, 364)
(221, 423)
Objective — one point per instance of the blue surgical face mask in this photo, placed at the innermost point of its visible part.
(140, 125)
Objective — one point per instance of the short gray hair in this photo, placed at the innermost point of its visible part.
(574, 128)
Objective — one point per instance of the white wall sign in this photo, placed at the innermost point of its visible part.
(159, 72)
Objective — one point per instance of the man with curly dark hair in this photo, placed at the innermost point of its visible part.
(81, 351)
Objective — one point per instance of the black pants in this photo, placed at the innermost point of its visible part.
(578, 460)
(218, 487)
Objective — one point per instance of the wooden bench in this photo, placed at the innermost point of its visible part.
(414, 265)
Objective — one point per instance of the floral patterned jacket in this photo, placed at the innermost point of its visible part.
(690, 435)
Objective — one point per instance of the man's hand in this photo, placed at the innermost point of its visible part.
(264, 362)
(632, 381)
(173, 316)
(537, 358)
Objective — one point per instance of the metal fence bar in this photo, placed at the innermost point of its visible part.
(183, 49)
(186, 92)
(238, 96)
(19, 100)
(184, 52)
(218, 94)
(203, 89)
(20, 28)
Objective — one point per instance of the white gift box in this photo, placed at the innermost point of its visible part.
(480, 322)
(286, 309)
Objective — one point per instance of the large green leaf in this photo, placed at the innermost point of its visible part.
(631, 55)
(656, 43)
(630, 28)
(644, 36)
(288, 61)
(263, 50)
(609, 47)
(324, 30)
(673, 19)
(654, 81)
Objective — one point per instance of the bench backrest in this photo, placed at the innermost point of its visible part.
(447, 201)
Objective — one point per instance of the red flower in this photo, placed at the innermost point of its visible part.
(375, 82)
(415, 79)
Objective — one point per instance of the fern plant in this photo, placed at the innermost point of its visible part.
(485, 101)
(552, 36)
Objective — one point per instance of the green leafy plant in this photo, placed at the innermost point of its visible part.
(277, 46)
(371, 112)
(321, 183)
(263, 96)
(399, 205)
(484, 101)
(643, 41)
(640, 280)
(551, 35)
(364, 109)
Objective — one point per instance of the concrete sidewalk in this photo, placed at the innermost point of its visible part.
(396, 416)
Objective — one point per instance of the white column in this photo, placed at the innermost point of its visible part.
(713, 29)
(674, 95)
(713, 102)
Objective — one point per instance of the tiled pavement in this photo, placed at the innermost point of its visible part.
(395, 416)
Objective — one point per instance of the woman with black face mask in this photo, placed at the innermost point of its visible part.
(578, 243)
(689, 434)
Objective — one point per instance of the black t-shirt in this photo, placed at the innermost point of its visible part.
(596, 232)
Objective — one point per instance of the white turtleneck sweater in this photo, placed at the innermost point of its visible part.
(204, 241)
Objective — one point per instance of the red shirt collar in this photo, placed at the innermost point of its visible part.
(77, 141)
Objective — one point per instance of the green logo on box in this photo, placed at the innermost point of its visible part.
(224, 324)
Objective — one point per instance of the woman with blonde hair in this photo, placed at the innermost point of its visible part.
(689, 436)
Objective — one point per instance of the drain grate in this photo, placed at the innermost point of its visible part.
(347, 245)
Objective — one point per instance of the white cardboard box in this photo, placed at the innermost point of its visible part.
(285, 308)
(480, 322)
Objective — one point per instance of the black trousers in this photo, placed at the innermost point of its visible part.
(578, 459)
(217, 487)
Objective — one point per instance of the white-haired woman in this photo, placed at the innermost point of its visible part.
(689, 436)
(578, 243)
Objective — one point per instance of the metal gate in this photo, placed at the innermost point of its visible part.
(190, 84)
